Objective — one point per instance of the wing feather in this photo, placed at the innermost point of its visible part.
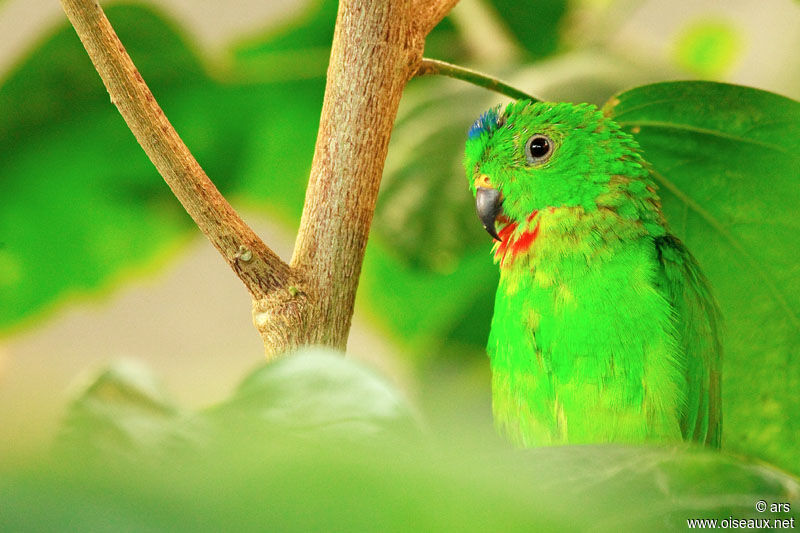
(697, 324)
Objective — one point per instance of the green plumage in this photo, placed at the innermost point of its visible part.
(604, 327)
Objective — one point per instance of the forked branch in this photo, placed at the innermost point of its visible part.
(377, 48)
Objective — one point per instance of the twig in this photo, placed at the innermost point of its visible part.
(430, 67)
(259, 268)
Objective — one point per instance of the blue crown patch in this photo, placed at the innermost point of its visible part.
(487, 122)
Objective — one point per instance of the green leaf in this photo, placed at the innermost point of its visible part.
(316, 392)
(276, 156)
(312, 28)
(727, 160)
(124, 413)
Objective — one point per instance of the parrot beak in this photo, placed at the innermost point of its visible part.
(488, 203)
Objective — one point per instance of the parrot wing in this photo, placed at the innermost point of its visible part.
(697, 323)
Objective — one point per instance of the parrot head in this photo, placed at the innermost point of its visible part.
(533, 156)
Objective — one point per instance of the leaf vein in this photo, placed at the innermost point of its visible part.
(772, 287)
(712, 133)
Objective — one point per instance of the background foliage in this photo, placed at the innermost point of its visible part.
(83, 212)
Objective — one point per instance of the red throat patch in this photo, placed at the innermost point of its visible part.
(516, 245)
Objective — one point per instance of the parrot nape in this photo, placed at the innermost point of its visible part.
(604, 327)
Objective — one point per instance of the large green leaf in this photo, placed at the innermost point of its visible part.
(58, 82)
(422, 306)
(124, 413)
(727, 159)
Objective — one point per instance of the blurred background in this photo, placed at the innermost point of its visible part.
(99, 262)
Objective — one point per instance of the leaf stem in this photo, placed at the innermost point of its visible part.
(429, 67)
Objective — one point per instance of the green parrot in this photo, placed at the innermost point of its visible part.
(604, 327)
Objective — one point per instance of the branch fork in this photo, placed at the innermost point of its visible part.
(377, 48)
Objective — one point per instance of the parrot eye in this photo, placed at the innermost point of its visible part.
(538, 149)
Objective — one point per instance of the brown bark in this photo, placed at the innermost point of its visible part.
(377, 48)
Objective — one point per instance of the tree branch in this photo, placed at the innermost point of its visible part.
(376, 49)
(259, 268)
(430, 67)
